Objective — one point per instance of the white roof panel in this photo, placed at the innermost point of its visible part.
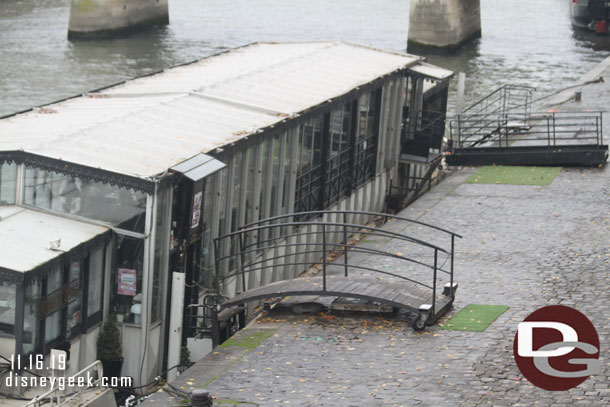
(25, 237)
(147, 125)
(432, 71)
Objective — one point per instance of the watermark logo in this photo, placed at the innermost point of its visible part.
(557, 348)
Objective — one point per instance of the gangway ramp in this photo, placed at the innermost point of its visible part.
(257, 258)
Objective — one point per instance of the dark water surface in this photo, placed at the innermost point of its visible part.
(527, 42)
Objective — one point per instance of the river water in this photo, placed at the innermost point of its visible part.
(524, 42)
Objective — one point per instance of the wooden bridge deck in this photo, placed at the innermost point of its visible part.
(397, 294)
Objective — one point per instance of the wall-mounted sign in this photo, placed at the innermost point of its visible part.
(127, 282)
(196, 209)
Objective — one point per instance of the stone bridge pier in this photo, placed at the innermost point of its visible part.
(443, 24)
(107, 18)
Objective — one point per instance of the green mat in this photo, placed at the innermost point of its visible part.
(474, 317)
(248, 339)
(500, 174)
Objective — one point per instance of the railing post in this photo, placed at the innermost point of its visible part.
(554, 135)
(600, 128)
(434, 282)
(345, 242)
(451, 275)
(323, 257)
(241, 262)
(459, 119)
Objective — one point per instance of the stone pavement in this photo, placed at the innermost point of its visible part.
(523, 246)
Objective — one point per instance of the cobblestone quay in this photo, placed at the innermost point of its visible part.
(524, 246)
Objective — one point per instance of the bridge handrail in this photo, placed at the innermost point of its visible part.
(331, 224)
(365, 250)
(377, 214)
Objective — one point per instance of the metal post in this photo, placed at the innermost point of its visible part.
(345, 242)
(323, 257)
(434, 282)
(215, 327)
(600, 128)
(459, 119)
(451, 275)
(175, 322)
(554, 135)
(548, 131)
(241, 261)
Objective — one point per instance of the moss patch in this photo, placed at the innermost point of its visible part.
(235, 403)
(248, 340)
(474, 317)
(515, 175)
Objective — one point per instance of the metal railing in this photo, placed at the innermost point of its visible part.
(505, 130)
(507, 99)
(405, 195)
(284, 249)
(427, 132)
(56, 397)
(512, 101)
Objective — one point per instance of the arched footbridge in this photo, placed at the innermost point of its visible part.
(378, 257)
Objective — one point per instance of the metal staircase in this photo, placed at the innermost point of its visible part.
(500, 129)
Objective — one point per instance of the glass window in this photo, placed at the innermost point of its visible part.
(308, 188)
(250, 204)
(275, 180)
(286, 190)
(30, 317)
(222, 200)
(207, 276)
(52, 325)
(265, 180)
(338, 174)
(127, 279)
(365, 150)
(8, 183)
(161, 249)
(95, 283)
(237, 163)
(7, 308)
(121, 207)
(75, 273)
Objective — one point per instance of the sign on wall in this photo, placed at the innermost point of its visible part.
(196, 209)
(127, 282)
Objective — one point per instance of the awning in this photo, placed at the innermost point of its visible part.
(198, 167)
(431, 72)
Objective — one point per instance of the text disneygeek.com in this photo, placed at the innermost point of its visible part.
(62, 383)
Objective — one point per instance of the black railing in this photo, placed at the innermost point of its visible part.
(507, 99)
(426, 133)
(323, 238)
(401, 196)
(503, 130)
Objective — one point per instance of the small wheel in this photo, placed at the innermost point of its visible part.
(418, 323)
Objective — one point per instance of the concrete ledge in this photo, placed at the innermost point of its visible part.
(94, 19)
(413, 46)
(568, 94)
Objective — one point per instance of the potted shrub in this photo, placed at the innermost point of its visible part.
(110, 349)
